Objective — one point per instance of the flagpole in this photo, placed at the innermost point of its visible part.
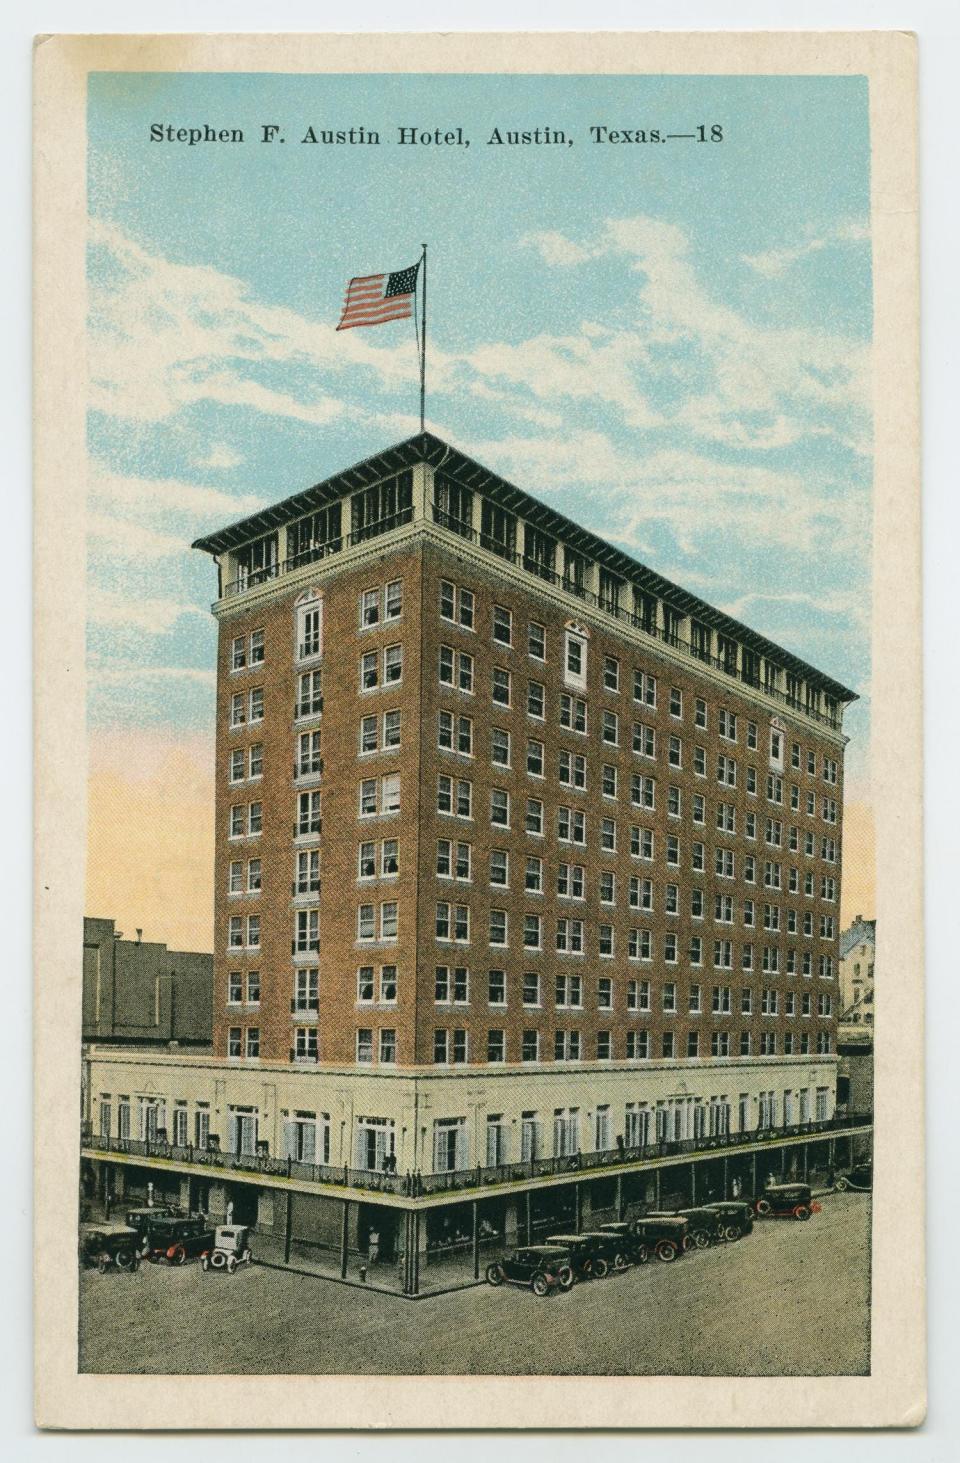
(423, 345)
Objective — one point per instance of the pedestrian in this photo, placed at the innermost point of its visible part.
(373, 1247)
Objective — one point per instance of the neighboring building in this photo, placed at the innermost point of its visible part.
(858, 947)
(855, 1031)
(139, 993)
(522, 851)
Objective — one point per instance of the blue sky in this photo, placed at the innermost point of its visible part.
(670, 343)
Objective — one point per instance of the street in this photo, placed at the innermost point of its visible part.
(792, 1299)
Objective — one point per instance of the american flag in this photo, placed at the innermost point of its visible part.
(373, 299)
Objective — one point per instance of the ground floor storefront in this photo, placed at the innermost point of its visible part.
(417, 1245)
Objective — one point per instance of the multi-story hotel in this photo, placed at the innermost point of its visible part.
(525, 857)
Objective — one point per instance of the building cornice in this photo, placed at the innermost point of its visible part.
(423, 532)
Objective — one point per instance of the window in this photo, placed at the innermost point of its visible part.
(502, 625)
(532, 931)
(573, 713)
(496, 1052)
(675, 752)
(500, 807)
(499, 746)
(499, 867)
(575, 660)
(566, 1046)
(310, 693)
(238, 653)
(644, 688)
(501, 686)
(536, 641)
(498, 927)
(253, 1042)
(611, 673)
(533, 822)
(728, 725)
(497, 988)
(610, 728)
(238, 709)
(369, 608)
(644, 740)
(531, 989)
(535, 700)
(392, 664)
(529, 1052)
(569, 940)
(570, 881)
(638, 1048)
(571, 826)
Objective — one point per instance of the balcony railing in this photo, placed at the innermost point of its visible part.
(413, 1185)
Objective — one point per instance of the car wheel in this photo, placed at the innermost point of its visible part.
(641, 1255)
(126, 1260)
(801, 1212)
(179, 1256)
(494, 1275)
(102, 1263)
(218, 1259)
(599, 1268)
(763, 1207)
(620, 1261)
(154, 1257)
(565, 1277)
(666, 1251)
(701, 1240)
(840, 1185)
(539, 1285)
(231, 1264)
(732, 1232)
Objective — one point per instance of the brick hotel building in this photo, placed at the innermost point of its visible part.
(523, 854)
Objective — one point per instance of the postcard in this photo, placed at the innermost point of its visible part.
(478, 731)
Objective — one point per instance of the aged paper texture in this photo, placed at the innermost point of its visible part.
(459, 948)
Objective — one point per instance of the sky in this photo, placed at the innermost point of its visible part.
(668, 342)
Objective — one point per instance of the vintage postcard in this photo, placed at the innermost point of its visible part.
(478, 704)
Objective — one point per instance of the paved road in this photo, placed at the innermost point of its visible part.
(790, 1300)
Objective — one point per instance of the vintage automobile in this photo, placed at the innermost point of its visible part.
(704, 1226)
(540, 1268)
(636, 1249)
(859, 1179)
(593, 1254)
(785, 1201)
(666, 1236)
(231, 1247)
(142, 1219)
(178, 1240)
(110, 1249)
(736, 1217)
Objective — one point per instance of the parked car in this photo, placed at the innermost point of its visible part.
(541, 1268)
(178, 1240)
(664, 1235)
(704, 1226)
(110, 1249)
(231, 1247)
(593, 1254)
(142, 1219)
(785, 1201)
(736, 1217)
(637, 1250)
(860, 1179)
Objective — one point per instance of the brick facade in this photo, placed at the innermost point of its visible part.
(425, 559)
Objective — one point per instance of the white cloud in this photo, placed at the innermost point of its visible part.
(124, 539)
(144, 496)
(108, 608)
(554, 249)
(220, 457)
(773, 262)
